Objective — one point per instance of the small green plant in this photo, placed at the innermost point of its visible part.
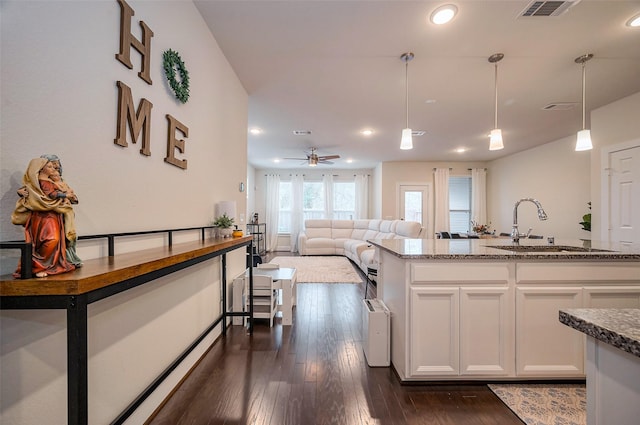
(586, 220)
(223, 222)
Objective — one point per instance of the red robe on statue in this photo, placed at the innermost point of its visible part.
(45, 232)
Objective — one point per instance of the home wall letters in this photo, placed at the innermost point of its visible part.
(140, 121)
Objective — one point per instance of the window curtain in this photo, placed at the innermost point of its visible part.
(327, 182)
(479, 195)
(362, 196)
(272, 206)
(297, 213)
(441, 184)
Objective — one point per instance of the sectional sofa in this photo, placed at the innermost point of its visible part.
(349, 238)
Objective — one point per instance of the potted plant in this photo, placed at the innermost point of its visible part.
(479, 228)
(224, 223)
(586, 220)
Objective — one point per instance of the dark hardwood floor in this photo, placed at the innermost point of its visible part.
(314, 372)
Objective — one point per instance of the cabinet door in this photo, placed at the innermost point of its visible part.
(486, 331)
(434, 333)
(544, 346)
(612, 297)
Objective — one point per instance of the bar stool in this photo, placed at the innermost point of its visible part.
(371, 272)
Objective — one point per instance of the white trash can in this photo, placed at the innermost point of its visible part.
(376, 332)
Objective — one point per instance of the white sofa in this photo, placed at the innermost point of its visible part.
(349, 238)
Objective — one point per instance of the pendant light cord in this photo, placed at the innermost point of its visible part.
(583, 61)
(406, 76)
(496, 102)
(584, 91)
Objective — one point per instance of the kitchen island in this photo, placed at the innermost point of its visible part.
(471, 309)
(613, 362)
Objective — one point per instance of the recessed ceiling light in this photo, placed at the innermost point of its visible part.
(276, 160)
(349, 161)
(367, 132)
(634, 22)
(461, 150)
(255, 130)
(443, 14)
(430, 101)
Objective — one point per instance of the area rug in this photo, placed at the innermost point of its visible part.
(545, 404)
(317, 269)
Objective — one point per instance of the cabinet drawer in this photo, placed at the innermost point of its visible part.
(457, 272)
(581, 272)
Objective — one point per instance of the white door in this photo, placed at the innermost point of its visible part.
(414, 203)
(624, 203)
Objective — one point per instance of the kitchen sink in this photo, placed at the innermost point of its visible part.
(546, 248)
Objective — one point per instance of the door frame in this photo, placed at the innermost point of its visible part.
(605, 184)
(428, 227)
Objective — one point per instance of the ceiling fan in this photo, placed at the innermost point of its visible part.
(313, 159)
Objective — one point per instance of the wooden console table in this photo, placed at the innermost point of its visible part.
(103, 277)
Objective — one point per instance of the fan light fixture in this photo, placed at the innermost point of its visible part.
(495, 141)
(583, 141)
(406, 142)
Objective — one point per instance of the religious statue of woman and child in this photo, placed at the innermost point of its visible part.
(45, 210)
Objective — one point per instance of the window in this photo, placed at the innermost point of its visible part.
(344, 200)
(413, 205)
(459, 204)
(313, 200)
(284, 216)
(313, 205)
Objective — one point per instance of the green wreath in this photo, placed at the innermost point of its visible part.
(171, 60)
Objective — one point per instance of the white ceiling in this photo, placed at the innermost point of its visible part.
(334, 67)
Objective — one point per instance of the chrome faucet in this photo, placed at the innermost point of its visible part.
(515, 235)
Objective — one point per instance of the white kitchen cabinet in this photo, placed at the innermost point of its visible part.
(612, 297)
(544, 346)
(486, 331)
(435, 333)
(457, 317)
(459, 330)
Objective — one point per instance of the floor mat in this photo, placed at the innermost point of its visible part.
(545, 404)
(320, 269)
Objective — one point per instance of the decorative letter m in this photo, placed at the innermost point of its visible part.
(140, 121)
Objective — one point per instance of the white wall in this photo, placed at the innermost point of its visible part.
(613, 124)
(59, 95)
(556, 175)
(376, 196)
(251, 193)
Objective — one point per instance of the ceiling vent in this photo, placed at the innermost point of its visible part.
(418, 133)
(559, 106)
(302, 132)
(547, 8)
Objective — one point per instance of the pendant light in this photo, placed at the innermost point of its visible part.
(583, 141)
(406, 142)
(495, 141)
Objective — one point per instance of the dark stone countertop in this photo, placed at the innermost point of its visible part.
(619, 327)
